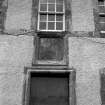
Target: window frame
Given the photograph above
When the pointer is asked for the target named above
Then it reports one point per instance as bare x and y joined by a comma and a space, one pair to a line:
37, 34
100, 14
53, 13
34, 19
36, 61
101, 4
3, 10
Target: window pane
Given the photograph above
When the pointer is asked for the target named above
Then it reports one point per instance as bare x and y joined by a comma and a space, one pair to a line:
59, 26
1, 22
59, 17
102, 18
59, 8
102, 35
51, 1
51, 49
101, 3
0, 5
43, 1
43, 17
51, 7
43, 7
102, 9
1, 19
51, 25
60, 1
102, 26
42, 25
51, 17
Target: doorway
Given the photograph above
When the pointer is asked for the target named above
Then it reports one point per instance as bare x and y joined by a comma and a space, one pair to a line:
49, 89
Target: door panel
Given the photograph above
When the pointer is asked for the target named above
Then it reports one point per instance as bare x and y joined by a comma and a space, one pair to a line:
49, 90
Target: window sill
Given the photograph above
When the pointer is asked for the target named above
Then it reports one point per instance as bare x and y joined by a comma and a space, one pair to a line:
103, 32
101, 13
52, 33
48, 62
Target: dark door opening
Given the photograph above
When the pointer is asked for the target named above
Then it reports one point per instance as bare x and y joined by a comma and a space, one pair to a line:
49, 89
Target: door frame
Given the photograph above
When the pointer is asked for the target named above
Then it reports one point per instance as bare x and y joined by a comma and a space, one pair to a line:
71, 84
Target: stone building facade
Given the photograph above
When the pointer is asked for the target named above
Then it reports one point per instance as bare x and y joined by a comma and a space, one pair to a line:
82, 57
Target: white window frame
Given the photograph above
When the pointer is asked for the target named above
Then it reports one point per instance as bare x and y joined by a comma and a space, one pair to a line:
54, 13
